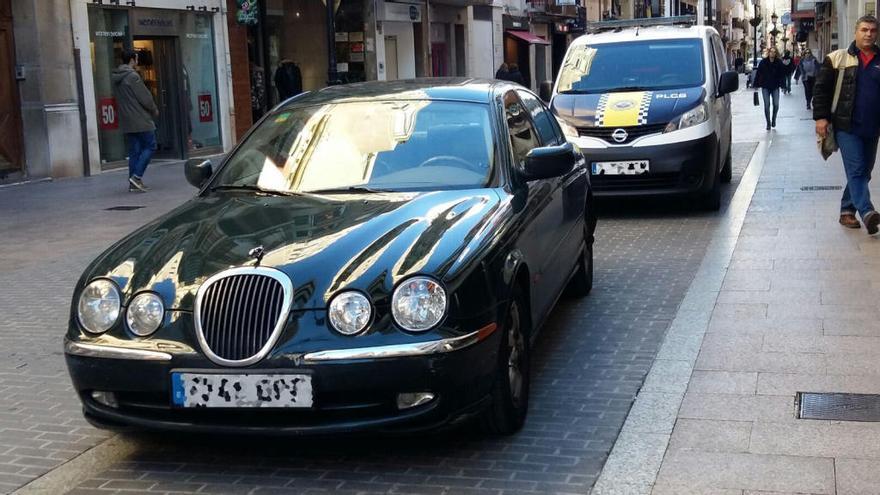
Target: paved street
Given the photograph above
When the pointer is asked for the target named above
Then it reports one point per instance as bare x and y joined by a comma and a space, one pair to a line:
588, 366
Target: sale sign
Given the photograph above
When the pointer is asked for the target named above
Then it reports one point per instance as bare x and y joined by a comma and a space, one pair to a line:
108, 116
206, 108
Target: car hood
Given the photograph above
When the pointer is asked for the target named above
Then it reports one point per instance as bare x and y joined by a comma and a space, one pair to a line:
366, 242
626, 109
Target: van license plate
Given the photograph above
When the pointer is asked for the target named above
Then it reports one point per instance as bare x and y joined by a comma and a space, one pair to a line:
244, 390
633, 167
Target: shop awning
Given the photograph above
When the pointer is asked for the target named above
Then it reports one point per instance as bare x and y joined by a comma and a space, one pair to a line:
528, 37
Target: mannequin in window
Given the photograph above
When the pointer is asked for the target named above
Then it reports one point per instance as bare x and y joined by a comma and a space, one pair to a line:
288, 79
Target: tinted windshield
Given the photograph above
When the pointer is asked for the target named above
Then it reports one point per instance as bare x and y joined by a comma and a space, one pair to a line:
403, 145
634, 66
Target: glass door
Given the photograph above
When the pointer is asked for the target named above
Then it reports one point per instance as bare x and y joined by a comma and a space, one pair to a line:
159, 68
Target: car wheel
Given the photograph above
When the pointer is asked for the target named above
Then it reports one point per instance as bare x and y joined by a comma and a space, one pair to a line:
727, 171
510, 393
582, 282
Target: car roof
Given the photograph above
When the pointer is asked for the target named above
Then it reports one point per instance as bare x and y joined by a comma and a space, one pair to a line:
450, 88
645, 33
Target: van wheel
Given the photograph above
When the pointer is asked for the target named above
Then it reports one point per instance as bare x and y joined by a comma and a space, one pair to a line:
582, 282
712, 199
506, 413
727, 170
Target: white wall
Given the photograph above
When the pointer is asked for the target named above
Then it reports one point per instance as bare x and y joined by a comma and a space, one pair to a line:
406, 54
480, 53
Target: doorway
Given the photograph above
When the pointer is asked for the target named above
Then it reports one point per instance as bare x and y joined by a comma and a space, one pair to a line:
391, 71
11, 145
159, 67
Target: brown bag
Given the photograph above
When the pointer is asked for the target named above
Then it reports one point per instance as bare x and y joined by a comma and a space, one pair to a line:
828, 145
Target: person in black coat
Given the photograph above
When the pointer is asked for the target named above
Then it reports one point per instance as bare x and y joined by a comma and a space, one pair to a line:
514, 75
288, 80
502, 72
770, 78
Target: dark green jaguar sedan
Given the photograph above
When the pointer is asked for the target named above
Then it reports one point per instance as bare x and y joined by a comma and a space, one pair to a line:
378, 256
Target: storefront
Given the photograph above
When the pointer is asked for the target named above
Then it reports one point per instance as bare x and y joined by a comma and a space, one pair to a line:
177, 59
11, 145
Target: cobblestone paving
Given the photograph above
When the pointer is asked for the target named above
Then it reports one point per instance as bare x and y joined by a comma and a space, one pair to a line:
588, 364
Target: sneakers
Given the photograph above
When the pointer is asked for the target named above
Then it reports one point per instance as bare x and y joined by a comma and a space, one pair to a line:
872, 221
849, 220
135, 184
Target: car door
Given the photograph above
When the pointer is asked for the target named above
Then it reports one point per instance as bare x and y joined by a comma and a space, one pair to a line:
572, 186
722, 104
543, 211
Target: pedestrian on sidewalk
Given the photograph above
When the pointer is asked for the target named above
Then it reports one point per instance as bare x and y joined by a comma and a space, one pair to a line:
503, 72
807, 71
770, 78
788, 64
136, 112
854, 73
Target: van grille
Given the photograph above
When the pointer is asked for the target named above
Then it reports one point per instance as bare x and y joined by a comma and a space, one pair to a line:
632, 132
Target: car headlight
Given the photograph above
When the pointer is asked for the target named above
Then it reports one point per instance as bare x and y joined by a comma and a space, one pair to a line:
692, 117
418, 304
145, 313
350, 312
99, 306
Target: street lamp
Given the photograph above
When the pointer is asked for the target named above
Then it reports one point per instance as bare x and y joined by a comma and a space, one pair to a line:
785, 37
773, 32
755, 22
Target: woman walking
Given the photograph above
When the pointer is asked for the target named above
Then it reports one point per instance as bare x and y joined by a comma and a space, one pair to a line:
770, 78
808, 70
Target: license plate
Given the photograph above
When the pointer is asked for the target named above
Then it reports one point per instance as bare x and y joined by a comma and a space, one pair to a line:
243, 390
633, 167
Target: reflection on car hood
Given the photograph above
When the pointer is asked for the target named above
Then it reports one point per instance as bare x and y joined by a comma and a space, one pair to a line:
324, 244
627, 108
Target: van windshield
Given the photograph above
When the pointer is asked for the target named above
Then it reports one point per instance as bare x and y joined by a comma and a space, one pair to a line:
632, 66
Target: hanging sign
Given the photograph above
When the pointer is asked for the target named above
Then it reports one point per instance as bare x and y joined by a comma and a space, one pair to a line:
206, 108
248, 12
108, 116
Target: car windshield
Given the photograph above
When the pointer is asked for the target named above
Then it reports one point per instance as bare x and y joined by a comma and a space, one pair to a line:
632, 66
407, 145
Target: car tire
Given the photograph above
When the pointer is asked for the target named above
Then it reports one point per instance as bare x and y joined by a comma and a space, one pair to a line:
582, 282
727, 170
506, 413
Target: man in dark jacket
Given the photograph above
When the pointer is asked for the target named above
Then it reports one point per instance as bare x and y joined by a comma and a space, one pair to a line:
136, 112
788, 66
854, 118
288, 80
807, 71
770, 77
514, 75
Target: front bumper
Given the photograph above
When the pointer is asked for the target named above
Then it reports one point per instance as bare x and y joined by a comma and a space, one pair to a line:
680, 168
353, 389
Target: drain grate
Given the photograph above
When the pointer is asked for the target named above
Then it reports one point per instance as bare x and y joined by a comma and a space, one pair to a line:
821, 188
839, 407
123, 208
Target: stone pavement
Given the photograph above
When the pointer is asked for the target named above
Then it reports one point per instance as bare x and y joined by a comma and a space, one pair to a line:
784, 303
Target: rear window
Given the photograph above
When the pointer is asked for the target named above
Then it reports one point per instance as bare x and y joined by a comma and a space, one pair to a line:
632, 66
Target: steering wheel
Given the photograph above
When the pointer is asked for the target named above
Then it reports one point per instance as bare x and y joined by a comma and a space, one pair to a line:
440, 159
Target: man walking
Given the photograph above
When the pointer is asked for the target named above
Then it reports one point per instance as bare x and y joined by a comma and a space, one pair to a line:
136, 112
807, 70
854, 117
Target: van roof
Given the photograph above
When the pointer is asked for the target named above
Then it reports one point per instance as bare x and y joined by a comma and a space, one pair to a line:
645, 33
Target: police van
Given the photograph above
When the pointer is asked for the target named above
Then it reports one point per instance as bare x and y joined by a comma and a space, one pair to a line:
650, 102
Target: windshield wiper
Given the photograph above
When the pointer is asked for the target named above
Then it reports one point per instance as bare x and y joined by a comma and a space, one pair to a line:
247, 187
628, 88
576, 92
349, 189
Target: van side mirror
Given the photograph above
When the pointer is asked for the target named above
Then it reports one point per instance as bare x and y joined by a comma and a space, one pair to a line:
549, 161
198, 171
545, 92
728, 83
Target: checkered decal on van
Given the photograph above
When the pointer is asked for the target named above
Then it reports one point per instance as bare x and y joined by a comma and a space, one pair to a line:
644, 106
600, 110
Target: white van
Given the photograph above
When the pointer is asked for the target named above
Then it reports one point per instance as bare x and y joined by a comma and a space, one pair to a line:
650, 100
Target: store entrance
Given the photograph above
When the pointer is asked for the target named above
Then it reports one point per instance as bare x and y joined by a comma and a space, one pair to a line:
158, 64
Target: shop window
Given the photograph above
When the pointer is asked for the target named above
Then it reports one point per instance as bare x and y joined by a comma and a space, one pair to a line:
109, 35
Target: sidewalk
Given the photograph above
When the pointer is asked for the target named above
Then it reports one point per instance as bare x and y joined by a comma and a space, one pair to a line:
784, 303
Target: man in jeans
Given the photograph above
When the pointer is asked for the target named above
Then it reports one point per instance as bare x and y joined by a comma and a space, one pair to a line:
856, 119
136, 112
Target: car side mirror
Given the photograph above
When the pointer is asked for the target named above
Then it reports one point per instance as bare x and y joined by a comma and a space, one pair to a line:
549, 161
545, 92
728, 83
198, 171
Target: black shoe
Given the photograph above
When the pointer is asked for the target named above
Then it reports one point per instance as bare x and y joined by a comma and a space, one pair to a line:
768, 127
809, 107
773, 124
872, 221
136, 184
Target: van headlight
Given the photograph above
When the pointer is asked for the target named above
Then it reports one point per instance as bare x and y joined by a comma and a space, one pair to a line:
418, 304
692, 117
99, 306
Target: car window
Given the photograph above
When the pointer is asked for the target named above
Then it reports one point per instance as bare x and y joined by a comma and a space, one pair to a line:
396, 145
523, 136
632, 65
545, 123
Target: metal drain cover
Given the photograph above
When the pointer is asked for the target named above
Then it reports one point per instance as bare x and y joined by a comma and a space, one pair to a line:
123, 208
839, 407
821, 188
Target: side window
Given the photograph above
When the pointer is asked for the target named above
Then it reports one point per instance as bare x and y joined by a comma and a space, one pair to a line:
523, 136
714, 65
720, 59
545, 122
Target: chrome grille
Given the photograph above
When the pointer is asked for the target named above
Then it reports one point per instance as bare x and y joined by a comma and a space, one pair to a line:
240, 312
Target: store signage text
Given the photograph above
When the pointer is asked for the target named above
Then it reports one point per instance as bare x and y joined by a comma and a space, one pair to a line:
108, 116
153, 22
109, 34
206, 108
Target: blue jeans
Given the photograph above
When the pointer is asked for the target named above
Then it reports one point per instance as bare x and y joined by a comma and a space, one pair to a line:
858, 155
141, 146
768, 93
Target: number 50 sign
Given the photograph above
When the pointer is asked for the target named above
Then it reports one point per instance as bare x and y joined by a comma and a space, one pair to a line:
108, 116
206, 108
